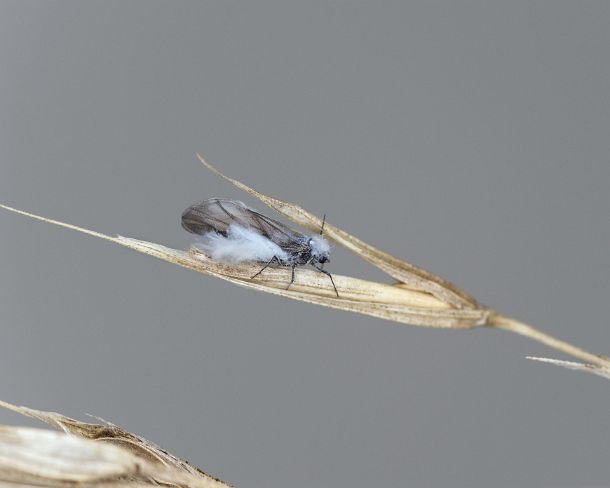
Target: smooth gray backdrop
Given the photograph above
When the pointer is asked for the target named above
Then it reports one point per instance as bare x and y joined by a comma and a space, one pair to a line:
470, 137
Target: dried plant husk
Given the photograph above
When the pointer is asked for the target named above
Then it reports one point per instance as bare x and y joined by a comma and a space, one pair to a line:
91, 454
403, 271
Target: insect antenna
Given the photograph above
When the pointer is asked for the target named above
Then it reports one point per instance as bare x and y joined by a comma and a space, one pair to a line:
323, 222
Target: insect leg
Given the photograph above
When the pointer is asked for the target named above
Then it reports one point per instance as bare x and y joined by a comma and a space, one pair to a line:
292, 279
329, 275
266, 266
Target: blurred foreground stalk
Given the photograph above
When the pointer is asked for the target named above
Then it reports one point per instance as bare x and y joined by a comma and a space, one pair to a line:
89, 455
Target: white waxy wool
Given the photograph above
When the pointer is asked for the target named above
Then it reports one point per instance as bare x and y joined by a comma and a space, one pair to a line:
319, 246
240, 245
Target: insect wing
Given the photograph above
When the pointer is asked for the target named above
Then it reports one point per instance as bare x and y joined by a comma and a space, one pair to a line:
212, 215
217, 214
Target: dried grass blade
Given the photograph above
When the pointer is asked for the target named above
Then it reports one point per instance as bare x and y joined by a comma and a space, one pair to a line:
396, 303
602, 371
398, 269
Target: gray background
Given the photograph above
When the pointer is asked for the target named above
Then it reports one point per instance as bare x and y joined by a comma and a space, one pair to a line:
468, 137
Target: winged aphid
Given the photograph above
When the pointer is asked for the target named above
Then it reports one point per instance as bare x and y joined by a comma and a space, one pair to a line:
233, 232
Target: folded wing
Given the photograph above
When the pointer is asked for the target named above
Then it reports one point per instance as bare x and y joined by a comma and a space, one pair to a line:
217, 214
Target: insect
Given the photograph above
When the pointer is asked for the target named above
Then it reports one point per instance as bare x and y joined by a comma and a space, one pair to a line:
235, 233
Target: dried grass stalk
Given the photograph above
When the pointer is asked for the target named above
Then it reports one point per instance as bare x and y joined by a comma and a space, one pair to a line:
95, 455
419, 298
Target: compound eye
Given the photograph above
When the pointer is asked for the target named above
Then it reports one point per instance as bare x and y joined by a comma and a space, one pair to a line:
323, 260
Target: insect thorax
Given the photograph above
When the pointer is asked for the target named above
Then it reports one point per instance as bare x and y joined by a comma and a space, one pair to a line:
310, 249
